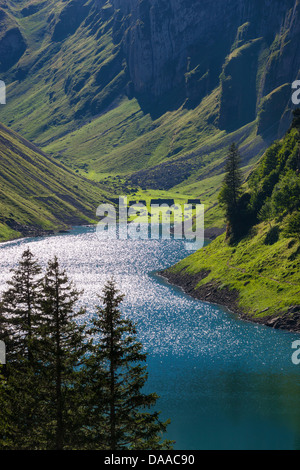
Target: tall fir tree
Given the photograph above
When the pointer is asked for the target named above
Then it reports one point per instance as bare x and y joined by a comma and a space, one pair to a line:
61, 356
19, 307
19, 316
54, 395
231, 191
117, 375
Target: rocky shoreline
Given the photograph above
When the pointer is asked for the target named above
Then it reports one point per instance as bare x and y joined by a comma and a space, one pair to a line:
27, 231
213, 293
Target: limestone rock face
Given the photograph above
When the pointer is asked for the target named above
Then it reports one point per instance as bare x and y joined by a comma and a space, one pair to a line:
166, 53
182, 47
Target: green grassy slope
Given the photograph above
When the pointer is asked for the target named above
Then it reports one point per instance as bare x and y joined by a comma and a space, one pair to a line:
259, 275
265, 277
39, 194
178, 153
56, 79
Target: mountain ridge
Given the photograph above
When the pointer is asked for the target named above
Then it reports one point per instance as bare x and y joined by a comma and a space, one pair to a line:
39, 195
152, 92
81, 56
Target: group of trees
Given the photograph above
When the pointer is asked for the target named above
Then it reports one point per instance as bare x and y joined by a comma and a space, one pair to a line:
272, 190
69, 384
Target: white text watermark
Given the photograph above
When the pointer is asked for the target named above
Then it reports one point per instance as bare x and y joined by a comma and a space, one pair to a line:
2, 92
296, 94
296, 355
159, 221
2, 353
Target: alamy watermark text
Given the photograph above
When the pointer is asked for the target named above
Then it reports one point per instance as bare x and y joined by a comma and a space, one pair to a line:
138, 222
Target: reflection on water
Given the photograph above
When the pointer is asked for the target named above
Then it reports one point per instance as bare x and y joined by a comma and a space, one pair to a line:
224, 383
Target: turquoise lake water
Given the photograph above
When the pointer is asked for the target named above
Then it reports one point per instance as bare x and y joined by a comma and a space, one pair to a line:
224, 383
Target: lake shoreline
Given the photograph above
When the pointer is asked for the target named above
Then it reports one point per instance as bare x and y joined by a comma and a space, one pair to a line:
36, 232
213, 293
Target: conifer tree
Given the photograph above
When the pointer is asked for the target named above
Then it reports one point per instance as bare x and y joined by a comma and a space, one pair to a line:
19, 316
19, 308
120, 416
231, 190
61, 356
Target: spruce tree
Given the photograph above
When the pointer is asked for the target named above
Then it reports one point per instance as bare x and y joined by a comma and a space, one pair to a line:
231, 190
19, 316
61, 357
120, 416
19, 309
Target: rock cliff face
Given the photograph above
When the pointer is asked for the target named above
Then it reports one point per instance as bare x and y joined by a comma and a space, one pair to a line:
181, 48
170, 52
231, 62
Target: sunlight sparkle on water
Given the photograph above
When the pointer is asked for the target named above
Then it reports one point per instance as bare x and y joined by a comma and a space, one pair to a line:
223, 382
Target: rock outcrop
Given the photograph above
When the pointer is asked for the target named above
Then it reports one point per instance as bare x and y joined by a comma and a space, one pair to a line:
70, 19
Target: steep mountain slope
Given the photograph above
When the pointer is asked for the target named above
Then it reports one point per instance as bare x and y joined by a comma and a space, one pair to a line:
152, 90
37, 194
260, 274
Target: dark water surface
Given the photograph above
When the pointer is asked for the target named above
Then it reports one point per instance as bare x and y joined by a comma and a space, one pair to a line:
224, 383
